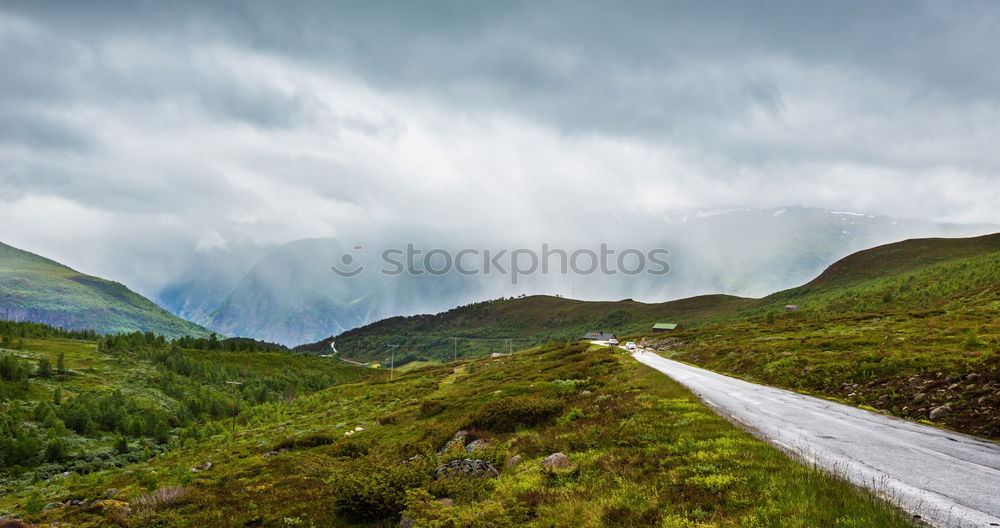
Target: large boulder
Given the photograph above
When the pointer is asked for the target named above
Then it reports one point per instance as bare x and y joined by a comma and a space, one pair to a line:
940, 412
466, 468
556, 461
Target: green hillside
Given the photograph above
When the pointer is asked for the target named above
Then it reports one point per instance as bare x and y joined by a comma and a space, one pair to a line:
72, 401
906, 328
911, 329
34, 288
911, 275
526, 321
640, 451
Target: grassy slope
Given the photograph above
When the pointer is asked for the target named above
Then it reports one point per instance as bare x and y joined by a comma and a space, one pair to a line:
906, 328
898, 327
644, 452
142, 383
538, 319
33, 288
527, 320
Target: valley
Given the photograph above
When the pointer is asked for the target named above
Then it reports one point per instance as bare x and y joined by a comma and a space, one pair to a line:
140, 430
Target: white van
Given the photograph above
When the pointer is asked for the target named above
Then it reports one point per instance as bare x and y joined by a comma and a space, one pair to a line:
630, 346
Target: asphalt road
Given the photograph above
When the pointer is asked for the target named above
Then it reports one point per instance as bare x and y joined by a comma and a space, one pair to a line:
946, 478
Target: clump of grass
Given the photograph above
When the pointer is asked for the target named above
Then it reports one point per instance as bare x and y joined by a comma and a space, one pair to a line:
511, 413
306, 440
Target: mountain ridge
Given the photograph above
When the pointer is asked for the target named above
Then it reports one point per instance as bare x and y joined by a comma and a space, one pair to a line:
38, 289
431, 334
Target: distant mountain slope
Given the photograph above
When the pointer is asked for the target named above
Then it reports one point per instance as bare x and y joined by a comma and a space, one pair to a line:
485, 326
910, 275
34, 288
918, 274
903, 256
290, 296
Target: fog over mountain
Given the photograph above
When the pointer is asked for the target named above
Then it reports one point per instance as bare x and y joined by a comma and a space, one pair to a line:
291, 296
177, 147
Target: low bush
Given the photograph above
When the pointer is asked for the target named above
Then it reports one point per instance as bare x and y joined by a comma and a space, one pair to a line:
306, 440
430, 408
509, 414
370, 490
352, 448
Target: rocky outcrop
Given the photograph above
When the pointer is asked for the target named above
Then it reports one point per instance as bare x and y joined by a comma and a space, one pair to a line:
455, 443
466, 468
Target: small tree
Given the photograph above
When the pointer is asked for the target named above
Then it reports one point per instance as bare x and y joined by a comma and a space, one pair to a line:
44, 368
121, 444
61, 363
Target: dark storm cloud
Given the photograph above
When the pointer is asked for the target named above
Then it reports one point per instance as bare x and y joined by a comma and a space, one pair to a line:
681, 71
207, 122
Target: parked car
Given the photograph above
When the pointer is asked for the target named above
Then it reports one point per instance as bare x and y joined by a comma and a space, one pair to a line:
630, 346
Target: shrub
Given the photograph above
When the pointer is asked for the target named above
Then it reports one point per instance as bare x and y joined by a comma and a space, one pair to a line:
352, 448
391, 418
430, 408
508, 414
426, 511
368, 491
306, 440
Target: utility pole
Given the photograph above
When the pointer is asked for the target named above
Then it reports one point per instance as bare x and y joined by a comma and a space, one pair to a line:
233, 385
392, 364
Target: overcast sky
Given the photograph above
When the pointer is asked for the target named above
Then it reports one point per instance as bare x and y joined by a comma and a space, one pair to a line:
135, 134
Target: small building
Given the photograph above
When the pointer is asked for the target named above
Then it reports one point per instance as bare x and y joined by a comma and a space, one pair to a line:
613, 342
664, 327
498, 355
791, 307
598, 336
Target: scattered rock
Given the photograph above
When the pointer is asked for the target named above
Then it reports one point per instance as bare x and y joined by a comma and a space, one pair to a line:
466, 468
358, 429
475, 445
52, 506
446, 502
110, 492
455, 443
514, 460
412, 460
981, 400
883, 398
972, 377
586, 393
919, 397
940, 412
204, 466
406, 522
953, 386
556, 461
